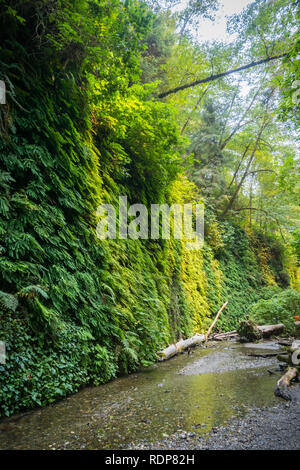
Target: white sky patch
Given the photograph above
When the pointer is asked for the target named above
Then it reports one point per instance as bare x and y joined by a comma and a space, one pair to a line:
216, 30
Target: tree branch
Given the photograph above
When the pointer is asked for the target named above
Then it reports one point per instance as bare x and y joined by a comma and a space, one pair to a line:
239, 166
193, 110
220, 75
259, 171
264, 212
230, 204
250, 208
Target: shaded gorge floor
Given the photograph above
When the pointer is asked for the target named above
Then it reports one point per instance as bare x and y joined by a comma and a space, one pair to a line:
189, 396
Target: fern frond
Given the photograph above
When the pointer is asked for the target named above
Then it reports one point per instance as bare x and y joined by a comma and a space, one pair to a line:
32, 291
8, 301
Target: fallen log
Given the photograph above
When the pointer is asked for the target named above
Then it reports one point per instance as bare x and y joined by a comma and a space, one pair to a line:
224, 335
266, 330
284, 342
182, 345
174, 349
295, 346
249, 331
270, 330
282, 388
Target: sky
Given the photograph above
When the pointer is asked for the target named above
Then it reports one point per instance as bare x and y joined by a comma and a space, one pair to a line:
216, 30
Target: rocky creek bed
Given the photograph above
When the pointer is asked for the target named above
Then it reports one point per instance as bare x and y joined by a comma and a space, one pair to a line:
274, 428
220, 397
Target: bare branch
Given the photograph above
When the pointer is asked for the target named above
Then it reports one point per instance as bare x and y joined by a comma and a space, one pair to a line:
220, 75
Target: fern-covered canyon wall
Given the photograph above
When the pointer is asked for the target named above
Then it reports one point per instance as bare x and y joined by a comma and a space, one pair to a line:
80, 128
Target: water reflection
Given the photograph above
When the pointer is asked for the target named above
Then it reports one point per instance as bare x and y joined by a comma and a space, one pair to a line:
147, 405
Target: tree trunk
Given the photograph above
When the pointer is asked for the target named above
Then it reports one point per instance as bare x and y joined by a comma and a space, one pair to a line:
194, 109
239, 166
233, 198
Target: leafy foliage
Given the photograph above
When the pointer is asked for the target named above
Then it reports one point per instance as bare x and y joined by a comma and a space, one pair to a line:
83, 126
280, 308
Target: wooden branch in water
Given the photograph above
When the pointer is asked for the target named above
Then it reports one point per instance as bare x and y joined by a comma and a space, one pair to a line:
223, 336
183, 344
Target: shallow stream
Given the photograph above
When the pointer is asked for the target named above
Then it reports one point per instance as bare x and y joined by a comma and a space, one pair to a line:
190, 393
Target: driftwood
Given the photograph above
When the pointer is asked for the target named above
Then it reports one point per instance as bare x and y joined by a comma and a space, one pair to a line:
284, 342
249, 331
175, 348
224, 337
295, 346
228, 333
266, 330
215, 320
282, 388
270, 330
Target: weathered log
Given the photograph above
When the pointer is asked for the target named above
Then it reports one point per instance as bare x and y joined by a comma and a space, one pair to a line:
282, 388
215, 320
270, 330
175, 348
225, 335
170, 351
223, 338
284, 342
266, 330
295, 346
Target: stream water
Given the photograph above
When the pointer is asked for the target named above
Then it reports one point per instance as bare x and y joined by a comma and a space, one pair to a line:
189, 393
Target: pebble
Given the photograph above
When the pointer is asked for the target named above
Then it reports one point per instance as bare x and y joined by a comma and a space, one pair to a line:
273, 428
